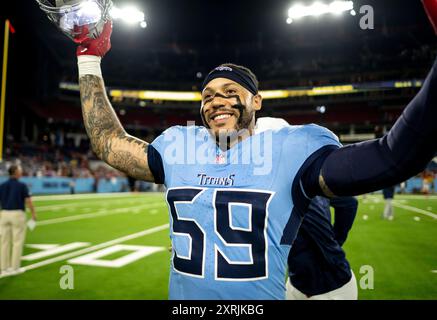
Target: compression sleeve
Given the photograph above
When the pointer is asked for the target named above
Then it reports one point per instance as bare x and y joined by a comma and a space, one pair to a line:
156, 166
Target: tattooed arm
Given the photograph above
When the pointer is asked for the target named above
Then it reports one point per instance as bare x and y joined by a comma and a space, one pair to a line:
108, 138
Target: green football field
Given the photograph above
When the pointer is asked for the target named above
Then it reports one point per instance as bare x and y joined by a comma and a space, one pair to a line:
116, 247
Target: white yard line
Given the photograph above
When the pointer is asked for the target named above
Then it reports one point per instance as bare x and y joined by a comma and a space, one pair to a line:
414, 209
78, 204
81, 196
105, 212
91, 196
57, 249
416, 197
58, 206
403, 196
94, 248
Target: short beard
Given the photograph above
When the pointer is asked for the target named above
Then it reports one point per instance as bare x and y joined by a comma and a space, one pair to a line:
245, 119
227, 138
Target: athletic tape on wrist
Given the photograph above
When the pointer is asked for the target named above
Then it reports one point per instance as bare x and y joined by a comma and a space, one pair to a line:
89, 65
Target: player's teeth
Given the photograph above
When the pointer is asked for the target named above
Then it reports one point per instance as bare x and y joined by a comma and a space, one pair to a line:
222, 116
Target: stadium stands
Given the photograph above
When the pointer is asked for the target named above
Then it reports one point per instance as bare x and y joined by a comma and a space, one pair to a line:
299, 57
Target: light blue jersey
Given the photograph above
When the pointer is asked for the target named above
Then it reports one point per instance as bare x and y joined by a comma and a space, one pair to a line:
231, 213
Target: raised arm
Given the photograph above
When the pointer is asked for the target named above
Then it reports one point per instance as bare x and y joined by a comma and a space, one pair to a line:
402, 153
109, 140
373, 165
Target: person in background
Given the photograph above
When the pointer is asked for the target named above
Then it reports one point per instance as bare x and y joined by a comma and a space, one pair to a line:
403, 187
72, 185
427, 181
14, 196
132, 184
317, 264
388, 194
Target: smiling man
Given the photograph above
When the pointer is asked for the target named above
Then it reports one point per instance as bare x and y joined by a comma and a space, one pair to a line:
230, 82
230, 99
232, 228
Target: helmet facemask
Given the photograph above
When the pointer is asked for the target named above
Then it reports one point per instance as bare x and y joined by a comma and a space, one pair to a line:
78, 19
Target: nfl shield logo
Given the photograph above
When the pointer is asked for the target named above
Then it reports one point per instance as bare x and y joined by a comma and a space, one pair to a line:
220, 159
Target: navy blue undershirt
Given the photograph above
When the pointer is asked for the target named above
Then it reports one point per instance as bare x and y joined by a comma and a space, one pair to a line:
317, 263
13, 194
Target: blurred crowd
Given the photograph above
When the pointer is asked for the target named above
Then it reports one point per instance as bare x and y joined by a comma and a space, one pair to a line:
53, 161
48, 160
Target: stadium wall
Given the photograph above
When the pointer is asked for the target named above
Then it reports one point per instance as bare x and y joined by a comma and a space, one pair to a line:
64, 185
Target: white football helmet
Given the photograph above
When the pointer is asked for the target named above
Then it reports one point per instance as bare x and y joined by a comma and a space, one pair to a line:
78, 19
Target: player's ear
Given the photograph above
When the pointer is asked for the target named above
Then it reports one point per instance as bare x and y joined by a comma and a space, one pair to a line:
257, 102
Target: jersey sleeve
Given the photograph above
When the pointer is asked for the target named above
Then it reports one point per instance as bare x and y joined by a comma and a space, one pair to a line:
164, 152
309, 144
321, 142
305, 144
318, 137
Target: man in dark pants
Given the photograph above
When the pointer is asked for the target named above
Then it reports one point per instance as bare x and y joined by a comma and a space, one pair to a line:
318, 269
14, 195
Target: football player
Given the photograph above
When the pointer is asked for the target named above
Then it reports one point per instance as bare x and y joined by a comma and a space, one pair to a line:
232, 225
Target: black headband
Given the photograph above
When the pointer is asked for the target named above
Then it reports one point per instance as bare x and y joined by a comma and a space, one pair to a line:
239, 76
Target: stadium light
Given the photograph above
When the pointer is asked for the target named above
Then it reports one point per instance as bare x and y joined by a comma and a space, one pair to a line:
129, 15
90, 10
321, 109
318, 8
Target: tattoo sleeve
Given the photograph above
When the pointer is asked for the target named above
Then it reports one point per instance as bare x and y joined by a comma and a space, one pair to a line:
109, 140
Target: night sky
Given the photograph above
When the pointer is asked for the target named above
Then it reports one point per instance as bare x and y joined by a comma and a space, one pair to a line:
38, 51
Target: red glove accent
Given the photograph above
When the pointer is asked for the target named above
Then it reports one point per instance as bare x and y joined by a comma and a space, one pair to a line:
95, 47
81, 34
431, 11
